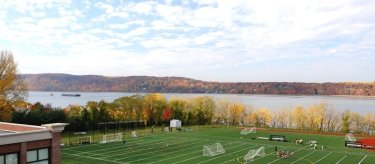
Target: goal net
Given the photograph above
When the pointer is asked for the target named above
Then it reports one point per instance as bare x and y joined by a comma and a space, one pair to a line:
84, 140
350, 137
134, 134
253, 153
112, 137
212, 150
248, 130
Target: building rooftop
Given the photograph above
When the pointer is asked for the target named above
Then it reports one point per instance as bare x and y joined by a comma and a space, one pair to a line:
15, 128
13, 133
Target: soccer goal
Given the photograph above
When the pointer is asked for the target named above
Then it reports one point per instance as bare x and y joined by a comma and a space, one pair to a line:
212, 150
246, 131
134, 134
112, 137
253, 153
350, 137
84, 140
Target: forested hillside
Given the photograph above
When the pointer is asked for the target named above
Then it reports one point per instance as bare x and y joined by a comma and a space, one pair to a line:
148, 84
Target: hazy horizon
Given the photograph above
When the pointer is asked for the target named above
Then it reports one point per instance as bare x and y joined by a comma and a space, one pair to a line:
209, 40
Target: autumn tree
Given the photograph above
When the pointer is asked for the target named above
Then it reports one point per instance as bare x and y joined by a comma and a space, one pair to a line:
178, 107
221, 111
12, 88
281, 118
345, 121
299, 117
369, 123
203, 108
153, 107
235, 110
332, 120
261, 118
356, 122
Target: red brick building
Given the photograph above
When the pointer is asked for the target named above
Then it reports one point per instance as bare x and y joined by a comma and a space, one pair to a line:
27, 144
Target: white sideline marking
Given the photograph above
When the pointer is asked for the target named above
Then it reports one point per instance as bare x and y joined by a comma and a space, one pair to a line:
167, 153
201, 156
303, 157
91, 158
341, 159
109, 151
231, 160
323, 157
178, 155
142, 148
226, 154
362, 159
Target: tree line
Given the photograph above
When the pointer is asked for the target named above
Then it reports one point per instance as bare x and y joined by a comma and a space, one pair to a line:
155, 109
149, 84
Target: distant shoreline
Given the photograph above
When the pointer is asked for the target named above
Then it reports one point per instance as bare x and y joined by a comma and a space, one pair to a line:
76, 92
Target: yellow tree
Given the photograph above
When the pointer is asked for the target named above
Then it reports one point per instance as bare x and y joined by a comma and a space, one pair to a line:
12, 89
178, 106
368, 123
235, 110
204, 107
356, 121
262, 117
281, 118
154, 105
221, 111
299, 117
316, 116
332, 120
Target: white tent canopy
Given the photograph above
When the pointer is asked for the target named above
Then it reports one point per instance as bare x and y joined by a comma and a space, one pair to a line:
175, 123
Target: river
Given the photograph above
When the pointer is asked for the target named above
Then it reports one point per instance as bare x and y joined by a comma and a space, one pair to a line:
272, 102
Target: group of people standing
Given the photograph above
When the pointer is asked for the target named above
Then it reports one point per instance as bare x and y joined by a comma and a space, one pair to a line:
283, 154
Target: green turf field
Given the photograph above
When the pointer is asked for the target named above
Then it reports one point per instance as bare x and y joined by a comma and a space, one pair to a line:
186, 148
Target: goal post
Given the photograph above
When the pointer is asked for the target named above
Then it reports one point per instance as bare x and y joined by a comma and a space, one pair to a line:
253, 153
246, 131
134, 134
84, 140
112, 137
212, 150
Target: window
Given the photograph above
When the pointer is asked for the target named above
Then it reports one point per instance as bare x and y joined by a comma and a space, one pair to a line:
38, 156
9, 158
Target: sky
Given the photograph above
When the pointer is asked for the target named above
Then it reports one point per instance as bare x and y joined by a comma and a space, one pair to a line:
211, 40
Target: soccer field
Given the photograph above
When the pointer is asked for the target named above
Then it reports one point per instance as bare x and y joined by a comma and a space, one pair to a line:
186, 148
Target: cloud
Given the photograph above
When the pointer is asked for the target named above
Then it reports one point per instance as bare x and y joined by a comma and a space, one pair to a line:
203, 39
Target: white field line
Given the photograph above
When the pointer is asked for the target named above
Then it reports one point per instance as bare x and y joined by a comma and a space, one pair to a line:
144, 147
154, 151
254, 159
201, 156
97, 151
245, 141
293, 152
98, 144
362, 159
178, 155
174, 156
303, 157
184, 154
323, 157
100, 159
170, 152
226, 154
341, 159
116, 151
93, 145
